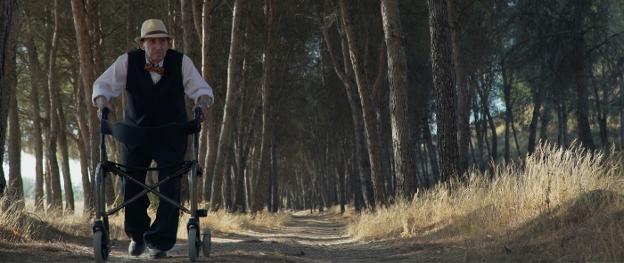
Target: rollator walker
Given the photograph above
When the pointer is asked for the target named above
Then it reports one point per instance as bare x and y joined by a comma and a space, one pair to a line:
135, 135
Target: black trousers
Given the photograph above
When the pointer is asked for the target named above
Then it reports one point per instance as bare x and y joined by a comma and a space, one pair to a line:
161, 234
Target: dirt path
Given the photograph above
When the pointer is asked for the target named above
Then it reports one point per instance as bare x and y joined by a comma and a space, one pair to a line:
304, 238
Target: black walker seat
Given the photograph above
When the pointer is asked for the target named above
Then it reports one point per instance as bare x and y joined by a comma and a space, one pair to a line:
133, 135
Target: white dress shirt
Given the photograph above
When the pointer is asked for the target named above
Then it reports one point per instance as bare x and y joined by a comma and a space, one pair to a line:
113, 81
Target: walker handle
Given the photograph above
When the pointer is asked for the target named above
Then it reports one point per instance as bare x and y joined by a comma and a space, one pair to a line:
198, 114
105, 112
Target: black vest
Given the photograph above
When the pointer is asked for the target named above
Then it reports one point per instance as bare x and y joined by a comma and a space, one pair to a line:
150, 104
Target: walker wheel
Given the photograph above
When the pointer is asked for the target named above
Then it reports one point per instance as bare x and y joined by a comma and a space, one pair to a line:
206, 242
193, 243
100, 246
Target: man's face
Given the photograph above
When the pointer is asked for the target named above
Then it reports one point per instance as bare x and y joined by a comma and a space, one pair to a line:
155, 48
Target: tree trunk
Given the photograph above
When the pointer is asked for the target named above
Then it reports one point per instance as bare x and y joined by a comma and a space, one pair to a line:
93, 22
274, 200
62, 140
190, 36
508, 110
14, 196
433, 157
83, 147
235, 63
6, 21
579, 63
562, 121
53, 169
368, 111
230, 171
86, 71
444, 86
485, 104
463, 99
190, 43
397, 76
545, 120
601, 114
15, 192
35, 84
238, 163
210, 128
261, 194
196, 19
537, 92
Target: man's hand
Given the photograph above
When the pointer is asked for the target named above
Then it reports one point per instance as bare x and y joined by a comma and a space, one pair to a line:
101, 102
203, 102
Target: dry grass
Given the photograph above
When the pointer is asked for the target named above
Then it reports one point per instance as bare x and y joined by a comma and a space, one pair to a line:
22, 226
563, 205
225, 222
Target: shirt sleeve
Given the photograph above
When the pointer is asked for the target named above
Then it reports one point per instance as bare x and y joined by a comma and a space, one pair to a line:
113, 81
194, 85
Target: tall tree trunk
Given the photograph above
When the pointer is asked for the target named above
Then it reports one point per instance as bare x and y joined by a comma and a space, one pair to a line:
431, 149
239, 184
404, 159
14, 196
274, 200
537, 93
508, 109
545, 120
261, 194
463, 99
35, 84
601, 116
83, 149
479, 132
209, 130
444, 86
367, 108
579, 63
190, 36
6, 21
86, 71
562, 121
190, 43
196, 19
113, 192
235, 63
62, 140
53, 169
93, 22
485, 104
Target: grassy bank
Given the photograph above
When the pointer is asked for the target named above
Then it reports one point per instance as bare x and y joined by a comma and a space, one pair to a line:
562, 205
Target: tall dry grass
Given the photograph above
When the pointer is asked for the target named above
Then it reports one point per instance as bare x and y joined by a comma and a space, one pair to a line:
559, 194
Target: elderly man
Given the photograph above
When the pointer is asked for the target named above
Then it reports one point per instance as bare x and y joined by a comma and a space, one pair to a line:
155, 79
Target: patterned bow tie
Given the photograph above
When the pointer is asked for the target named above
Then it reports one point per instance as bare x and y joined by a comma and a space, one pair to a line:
154, 68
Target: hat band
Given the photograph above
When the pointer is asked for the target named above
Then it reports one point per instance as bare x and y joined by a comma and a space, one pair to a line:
155, 32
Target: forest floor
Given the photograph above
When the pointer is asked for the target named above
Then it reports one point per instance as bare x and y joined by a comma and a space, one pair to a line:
305, 237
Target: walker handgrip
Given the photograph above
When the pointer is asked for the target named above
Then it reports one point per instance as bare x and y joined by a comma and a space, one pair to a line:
198, 113
105, 111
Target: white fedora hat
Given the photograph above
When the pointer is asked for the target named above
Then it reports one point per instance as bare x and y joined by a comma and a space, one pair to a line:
153, 28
